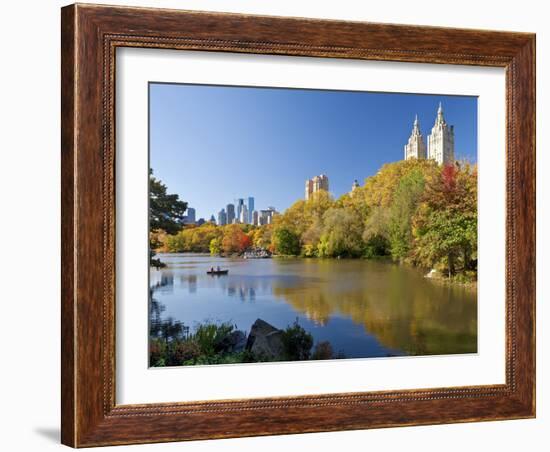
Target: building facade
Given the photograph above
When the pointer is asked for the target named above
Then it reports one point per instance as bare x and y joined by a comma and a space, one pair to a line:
266, 216
230, 212
222, 218
190, 218
243, 215
240, 205
416, 147
250, 207
441, 142
315, 184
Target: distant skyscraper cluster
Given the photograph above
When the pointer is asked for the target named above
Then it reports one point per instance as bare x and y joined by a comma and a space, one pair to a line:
244, 212
441, 142
315, 184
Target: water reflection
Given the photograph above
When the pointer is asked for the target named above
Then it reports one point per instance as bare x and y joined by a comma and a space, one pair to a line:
363, 308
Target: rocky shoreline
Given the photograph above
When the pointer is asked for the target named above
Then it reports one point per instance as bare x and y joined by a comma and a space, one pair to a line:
224, 344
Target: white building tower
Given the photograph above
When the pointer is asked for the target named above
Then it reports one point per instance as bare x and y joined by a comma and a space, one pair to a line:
415, 148
441, 142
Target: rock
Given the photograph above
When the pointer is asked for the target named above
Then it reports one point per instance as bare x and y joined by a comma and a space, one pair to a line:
265, 340
233, 342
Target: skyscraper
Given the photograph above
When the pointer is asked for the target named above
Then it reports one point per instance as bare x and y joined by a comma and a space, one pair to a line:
441, 142
230, 213
415, 148
222, 218
266, 216
243, 216
315, 184
250, 207
190, 217
240, 205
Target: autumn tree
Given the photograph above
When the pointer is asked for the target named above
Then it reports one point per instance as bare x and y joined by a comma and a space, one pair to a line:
215, 246
235, 240
445, 226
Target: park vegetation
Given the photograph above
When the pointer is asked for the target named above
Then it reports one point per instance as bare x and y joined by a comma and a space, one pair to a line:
412, 211
172, 344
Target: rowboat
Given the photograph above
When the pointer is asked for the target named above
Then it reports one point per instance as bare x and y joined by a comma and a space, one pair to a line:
217, 272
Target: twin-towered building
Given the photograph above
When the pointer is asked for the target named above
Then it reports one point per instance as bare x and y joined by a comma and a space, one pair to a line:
441, 142
440, 147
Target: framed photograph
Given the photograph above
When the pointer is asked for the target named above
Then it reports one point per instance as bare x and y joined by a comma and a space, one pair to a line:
281, 225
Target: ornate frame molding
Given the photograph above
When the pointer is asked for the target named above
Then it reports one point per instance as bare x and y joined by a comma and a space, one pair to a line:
90, 37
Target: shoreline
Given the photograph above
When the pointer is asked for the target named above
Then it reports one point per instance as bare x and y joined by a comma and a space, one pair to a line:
442, 280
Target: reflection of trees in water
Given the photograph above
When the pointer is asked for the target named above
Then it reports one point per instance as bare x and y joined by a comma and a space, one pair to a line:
401, 308
169, 328
420, 318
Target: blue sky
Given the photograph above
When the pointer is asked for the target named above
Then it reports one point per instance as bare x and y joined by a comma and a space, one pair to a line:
213, 144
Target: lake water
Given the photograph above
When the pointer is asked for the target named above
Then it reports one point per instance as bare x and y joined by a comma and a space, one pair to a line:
363, 308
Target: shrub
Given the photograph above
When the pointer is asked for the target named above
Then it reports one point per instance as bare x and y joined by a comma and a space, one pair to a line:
297, 342
183, 351
323, 350
209, 336
157, 350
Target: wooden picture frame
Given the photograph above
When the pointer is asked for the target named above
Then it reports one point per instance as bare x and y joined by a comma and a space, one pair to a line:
90, 36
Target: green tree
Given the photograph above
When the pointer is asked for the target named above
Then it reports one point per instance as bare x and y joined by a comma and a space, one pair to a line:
405, 202
377, 224
165, 214
286, 242
446, 239
343, 230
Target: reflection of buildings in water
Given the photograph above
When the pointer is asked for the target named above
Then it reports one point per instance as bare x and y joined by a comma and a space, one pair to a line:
163, 282
244, 292
246, 289
315, 319
192, 283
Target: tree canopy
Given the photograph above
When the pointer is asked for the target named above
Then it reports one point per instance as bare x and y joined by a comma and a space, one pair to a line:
413, 211
165, 214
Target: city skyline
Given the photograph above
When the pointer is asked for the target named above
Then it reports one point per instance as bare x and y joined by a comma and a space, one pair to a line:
267, 141
241, 210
